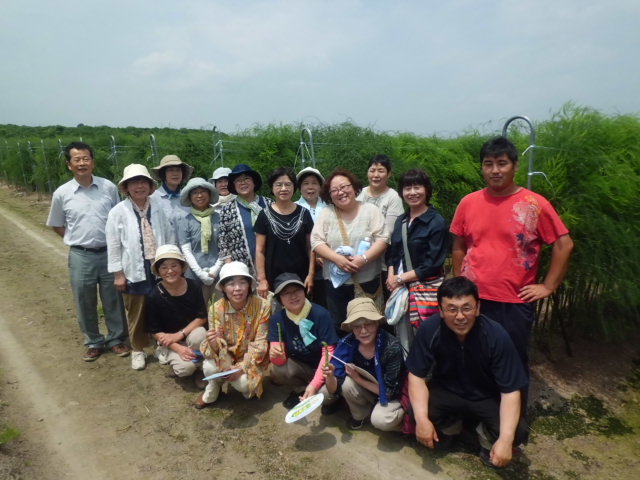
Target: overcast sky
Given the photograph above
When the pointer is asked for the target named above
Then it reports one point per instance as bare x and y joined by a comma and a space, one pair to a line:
427, 67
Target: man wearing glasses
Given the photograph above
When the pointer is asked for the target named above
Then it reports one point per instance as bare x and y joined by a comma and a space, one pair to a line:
464, 366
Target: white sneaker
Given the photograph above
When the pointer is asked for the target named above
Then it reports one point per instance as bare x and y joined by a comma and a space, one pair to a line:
161, 354
138, 360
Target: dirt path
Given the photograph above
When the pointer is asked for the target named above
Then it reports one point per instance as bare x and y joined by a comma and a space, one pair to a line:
103, 420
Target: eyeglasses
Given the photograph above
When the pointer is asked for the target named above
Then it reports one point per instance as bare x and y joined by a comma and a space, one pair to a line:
365, 326
465, 310
282, 185
242, 179
199, 192
341, 188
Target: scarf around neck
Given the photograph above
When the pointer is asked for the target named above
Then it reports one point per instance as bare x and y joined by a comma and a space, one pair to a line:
254, 207
148, 238
206, 228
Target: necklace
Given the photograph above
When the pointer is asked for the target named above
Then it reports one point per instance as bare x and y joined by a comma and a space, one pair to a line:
284, 230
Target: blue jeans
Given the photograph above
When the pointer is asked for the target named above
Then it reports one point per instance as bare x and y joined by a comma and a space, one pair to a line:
88, 274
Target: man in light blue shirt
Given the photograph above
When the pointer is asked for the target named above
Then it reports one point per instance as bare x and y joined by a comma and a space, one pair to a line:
78, 213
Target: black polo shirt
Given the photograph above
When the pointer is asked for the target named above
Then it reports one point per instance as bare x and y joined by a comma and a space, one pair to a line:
484, 366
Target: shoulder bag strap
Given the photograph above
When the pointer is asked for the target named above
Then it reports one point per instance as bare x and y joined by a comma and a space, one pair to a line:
407, 257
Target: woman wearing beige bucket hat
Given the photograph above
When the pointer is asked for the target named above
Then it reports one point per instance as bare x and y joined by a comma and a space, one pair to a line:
135, 227
237, 337
175, 313
172, 173
374, 393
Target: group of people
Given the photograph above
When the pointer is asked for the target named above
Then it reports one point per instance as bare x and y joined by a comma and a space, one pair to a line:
239, 287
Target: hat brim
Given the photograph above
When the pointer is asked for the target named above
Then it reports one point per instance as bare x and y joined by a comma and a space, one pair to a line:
185, 194
257, 180
174, 256
187, 170
252, 281
347, 325
288, 282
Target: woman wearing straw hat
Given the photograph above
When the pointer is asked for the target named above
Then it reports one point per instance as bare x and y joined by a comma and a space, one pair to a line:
237, 337
374, 393
135, 227
172, 173
237, 237
175, 313
198, 234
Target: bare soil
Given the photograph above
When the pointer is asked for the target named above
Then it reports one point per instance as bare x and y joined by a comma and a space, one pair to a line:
104, 420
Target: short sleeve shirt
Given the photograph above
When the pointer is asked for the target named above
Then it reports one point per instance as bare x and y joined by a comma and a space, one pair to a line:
83, 211
504, 236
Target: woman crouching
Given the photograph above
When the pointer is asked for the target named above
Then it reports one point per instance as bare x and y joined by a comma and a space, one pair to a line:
367, 370
175, 313
237, 337
301, 336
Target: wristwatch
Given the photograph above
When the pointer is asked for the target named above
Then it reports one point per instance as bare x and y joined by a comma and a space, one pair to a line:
399, 280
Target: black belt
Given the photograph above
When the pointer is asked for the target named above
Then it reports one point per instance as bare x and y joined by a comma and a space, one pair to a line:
92, 250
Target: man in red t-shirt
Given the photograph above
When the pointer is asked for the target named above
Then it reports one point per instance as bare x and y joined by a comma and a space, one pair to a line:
499, 232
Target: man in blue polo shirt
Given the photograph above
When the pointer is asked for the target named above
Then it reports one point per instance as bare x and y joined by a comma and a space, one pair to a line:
78, 213
464, 366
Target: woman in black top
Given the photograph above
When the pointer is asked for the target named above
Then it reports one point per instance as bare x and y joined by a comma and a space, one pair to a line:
175, 313
283, 232
427, 244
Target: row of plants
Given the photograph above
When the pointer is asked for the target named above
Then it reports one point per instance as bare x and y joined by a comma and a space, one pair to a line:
591, 162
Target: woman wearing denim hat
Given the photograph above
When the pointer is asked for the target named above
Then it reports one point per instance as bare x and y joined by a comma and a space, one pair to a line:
301, 336
237, 237
175, 313
135, 227
374, 393
237, 336
198, 234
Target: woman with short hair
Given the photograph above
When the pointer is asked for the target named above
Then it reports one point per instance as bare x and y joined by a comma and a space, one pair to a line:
340, 229
283, 231
426, 235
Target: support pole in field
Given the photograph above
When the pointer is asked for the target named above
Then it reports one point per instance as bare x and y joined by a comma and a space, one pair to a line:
307, 147
530, 149
154, 148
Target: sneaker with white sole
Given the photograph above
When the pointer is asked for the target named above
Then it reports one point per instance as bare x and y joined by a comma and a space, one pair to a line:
161, 354
138, 360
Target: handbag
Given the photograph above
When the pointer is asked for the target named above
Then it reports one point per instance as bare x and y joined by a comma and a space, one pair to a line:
423, 296
377, 296
396, 307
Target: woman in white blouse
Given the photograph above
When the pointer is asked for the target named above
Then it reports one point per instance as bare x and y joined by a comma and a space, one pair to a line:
135, 228
340, 229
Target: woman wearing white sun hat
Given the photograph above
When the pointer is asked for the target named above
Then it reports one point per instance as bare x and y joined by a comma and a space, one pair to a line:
135, 227
237, 336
